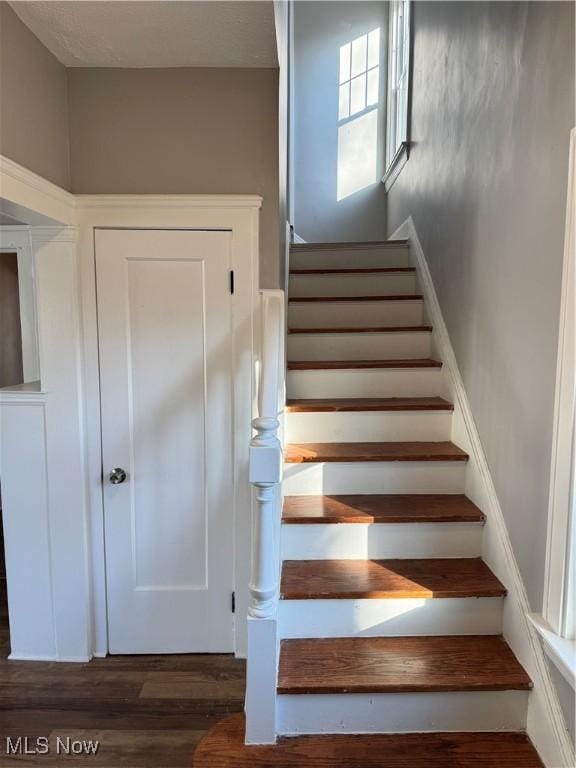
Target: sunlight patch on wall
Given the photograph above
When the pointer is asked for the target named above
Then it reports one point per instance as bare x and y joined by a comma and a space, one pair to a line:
357, 154
359, 90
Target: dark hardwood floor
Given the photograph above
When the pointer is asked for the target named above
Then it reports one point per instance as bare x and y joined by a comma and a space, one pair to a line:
144, 710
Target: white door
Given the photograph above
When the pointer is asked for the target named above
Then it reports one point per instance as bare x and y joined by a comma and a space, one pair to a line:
164, 325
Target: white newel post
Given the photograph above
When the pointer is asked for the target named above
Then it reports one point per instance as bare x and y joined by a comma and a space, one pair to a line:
266, 477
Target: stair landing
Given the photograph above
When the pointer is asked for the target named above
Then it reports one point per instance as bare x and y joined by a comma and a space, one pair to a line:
224, 747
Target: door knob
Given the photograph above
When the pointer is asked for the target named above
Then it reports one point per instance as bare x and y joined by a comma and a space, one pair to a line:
117, 476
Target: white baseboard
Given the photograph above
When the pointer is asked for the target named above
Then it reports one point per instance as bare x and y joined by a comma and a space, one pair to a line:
66, 659
545, 722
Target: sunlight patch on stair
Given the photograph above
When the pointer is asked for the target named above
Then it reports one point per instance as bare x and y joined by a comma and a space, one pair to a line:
366, 618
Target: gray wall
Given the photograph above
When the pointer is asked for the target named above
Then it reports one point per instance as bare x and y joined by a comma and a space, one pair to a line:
157, 131
493, 105
179, 131
320, 28
33, 102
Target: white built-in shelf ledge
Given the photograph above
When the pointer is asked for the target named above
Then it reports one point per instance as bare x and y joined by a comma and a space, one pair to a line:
28, 388
561, 652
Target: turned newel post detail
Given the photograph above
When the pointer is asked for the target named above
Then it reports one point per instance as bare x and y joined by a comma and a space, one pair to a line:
266, 461
265, 475
265, 472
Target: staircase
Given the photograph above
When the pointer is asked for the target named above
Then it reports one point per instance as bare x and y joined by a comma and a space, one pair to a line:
389, 619
388, 629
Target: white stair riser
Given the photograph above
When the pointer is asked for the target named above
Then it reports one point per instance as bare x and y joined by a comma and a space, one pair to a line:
367, 426
358, 346
358, 541
369, 382
402, 712
350, 258
354, 314
374, 477
369, 284
390, 618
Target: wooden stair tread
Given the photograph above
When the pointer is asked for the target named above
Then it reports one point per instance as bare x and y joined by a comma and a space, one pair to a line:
367, 329
298, 453
352, 271
399, 665
361, 245
318, 365
346, 404
390, 297
389, 508
388, 579
223, 747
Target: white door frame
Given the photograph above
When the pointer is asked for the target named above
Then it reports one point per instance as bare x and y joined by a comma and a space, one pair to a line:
239, 214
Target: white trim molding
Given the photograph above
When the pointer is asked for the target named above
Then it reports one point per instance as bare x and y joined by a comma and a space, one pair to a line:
167, 201
545, 722
28, 197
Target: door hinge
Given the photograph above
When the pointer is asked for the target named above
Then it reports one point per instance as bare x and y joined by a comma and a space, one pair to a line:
231, 281
233, 602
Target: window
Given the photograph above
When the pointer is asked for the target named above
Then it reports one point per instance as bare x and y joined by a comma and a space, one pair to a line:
398, 87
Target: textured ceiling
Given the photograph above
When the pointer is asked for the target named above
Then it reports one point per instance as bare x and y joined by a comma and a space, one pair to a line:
154, 33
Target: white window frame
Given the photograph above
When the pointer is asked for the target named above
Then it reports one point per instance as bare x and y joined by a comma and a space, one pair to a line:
398, 91
557, 625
